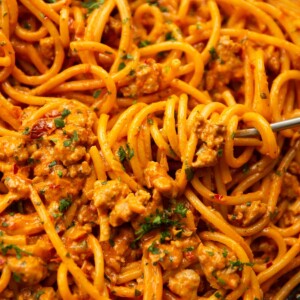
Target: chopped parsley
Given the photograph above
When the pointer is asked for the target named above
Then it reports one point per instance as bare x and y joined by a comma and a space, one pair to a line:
137, 293
181, 210
189, 249
60, 173
90, 5
52, 164
213, 53
278, 173
164, 235
64, 204
16, 277
225, 252
125, 153
189, 173
111, 242
263, 96
150, 121
245, 169
127, 56
248, 203
65, 113
121, 66
41, 292
59, 122
153, 249
240, 265
19, 251
26, 131
162, 220
210, 253
144, 43
169, 36
220, 152
67, 143
97, 93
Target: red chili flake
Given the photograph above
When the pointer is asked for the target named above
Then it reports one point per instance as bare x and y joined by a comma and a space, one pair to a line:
219, 197
16, 169
269, 264
189, 255
54, 186
40, 128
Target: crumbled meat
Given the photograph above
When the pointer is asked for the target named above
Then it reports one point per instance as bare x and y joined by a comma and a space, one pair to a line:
215, 264
30, 270
147, 79
117, 197
211, 137
117, 250
168, 256
185, 284
47, 47
291, 188
126, 207
226, 64
247, 213
157, 177
41, 293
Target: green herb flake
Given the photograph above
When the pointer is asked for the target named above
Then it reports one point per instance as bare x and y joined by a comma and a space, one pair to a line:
218, 295
67, 143
263, 96
90, 5
111, 242
64, 204
65, 113
213, 53
233, 135
52, 164
245, 168
127, 56
26, 25
225, 252
132, 72
169, 36
164, 235
181, 210
150, 121
41, 292
121, 66
16, 277
278, 173
121, 153
189, 249
137, 293
26, 131
153, 249
59, 122
210, 253
97, 93
60, 173
221, 281
4, 224
220, 152
248, 203
189, 173
144, 43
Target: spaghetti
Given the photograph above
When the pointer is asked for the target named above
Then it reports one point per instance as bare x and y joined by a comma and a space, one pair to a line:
121, 175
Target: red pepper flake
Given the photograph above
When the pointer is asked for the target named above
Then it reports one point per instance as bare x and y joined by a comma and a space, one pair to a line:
41, 128
54, 186
219, 197
16, 169
269, 264
189, 255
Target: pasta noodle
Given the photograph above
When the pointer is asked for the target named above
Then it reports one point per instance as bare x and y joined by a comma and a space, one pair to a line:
121, 172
